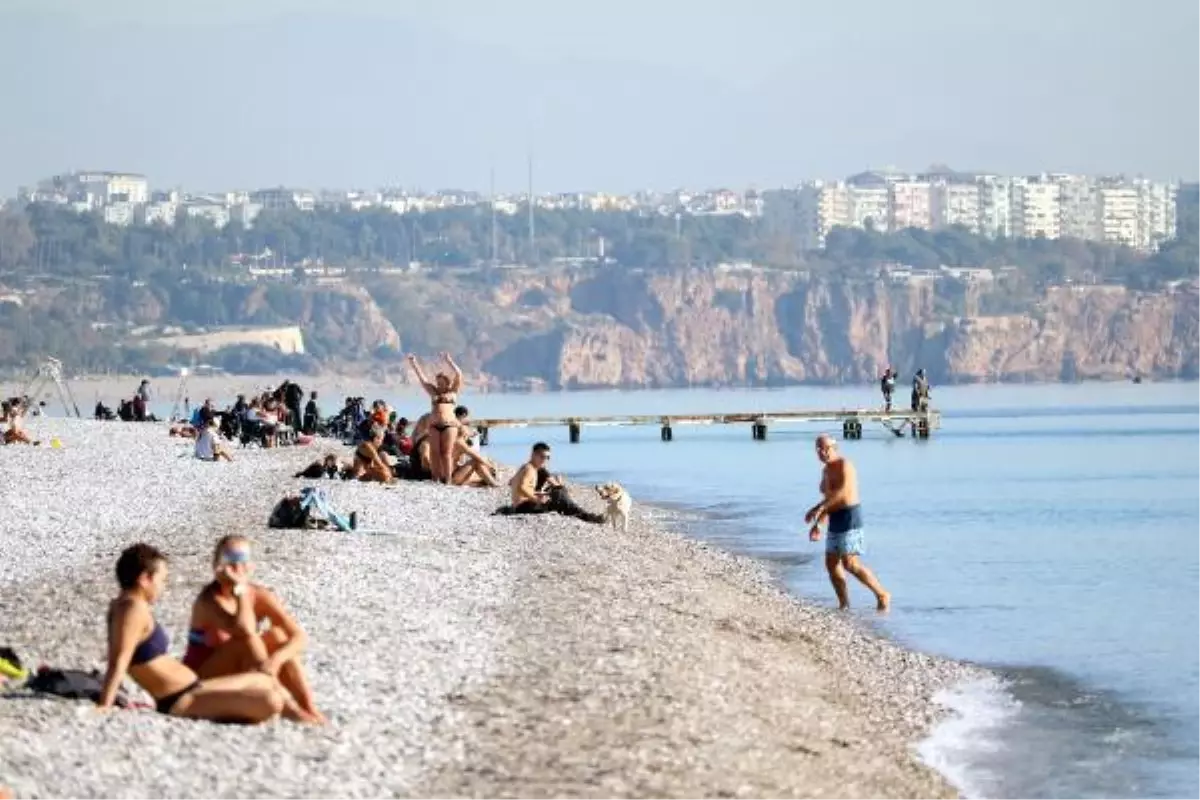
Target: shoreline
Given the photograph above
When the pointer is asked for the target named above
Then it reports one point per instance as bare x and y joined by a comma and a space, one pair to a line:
536, 656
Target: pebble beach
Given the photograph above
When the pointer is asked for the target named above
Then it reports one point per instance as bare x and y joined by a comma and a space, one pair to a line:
454, 653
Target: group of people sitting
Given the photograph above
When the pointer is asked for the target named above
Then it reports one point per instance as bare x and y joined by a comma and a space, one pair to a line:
242, 660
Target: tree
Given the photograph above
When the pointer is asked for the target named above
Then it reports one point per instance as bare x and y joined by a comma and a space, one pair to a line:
16, 238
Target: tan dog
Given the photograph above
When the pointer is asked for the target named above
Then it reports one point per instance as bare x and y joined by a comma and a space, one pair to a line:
618, 503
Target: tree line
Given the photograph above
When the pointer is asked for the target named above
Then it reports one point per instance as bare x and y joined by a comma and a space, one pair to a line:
48, 239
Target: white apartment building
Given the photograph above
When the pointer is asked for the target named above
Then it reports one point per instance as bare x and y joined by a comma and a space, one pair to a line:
1079, 207
99, 189
1119, 214
955, 204
120, 213
995, 206
160, 212
869, 207
214, 212
281, 198
1036, 208
910, 204
1159, 215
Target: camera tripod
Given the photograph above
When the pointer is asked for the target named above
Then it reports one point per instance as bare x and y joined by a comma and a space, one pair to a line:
50, 371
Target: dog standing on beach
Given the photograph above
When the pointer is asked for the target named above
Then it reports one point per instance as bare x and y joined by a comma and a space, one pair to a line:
618, 503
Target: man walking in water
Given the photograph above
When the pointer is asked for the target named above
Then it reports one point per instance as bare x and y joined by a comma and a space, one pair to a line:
840, 506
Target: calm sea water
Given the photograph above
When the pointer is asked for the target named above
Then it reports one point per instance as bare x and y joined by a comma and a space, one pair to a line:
1049, 532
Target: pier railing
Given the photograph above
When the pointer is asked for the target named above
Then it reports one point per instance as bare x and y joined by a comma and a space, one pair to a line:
919, 424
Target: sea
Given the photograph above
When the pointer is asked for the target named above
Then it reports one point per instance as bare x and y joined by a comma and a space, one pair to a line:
1050, 533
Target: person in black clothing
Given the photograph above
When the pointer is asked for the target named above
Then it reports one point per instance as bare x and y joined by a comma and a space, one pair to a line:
887, 385
536, 491
312, 414
292, 395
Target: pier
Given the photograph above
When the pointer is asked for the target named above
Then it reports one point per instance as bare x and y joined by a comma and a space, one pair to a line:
918, 424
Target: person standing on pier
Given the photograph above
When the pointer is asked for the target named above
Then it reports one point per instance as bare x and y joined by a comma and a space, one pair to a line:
887, 385
920, 391
844, 543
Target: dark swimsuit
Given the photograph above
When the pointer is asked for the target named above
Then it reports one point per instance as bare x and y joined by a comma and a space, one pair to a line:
150, 648
443, 400
846, 519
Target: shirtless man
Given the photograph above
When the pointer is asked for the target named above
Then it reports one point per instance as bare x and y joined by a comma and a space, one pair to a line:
840, 506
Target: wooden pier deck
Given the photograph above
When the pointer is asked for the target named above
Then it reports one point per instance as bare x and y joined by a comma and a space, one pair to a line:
920, 424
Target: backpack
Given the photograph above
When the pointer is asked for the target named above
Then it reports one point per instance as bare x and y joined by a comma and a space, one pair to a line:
290, 512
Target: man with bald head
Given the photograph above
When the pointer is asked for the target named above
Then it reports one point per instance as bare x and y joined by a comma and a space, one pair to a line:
841, 509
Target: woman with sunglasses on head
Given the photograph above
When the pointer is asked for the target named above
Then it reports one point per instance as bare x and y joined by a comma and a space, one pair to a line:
225, 636
137, 646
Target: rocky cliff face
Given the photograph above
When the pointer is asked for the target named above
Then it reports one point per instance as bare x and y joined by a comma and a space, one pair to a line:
622, 328
763, 327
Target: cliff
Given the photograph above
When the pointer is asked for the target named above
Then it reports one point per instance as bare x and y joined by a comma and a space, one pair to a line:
643, 329
640, 328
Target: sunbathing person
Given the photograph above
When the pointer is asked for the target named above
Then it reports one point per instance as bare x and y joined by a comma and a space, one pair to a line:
369, 464
224, 638
137, 646
421, 452
473, 468
328, 467
443, 392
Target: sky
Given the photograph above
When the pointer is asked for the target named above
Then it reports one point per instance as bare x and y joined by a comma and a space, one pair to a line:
613, 96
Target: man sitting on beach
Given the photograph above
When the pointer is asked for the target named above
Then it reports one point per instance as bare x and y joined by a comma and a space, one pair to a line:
535, 491
840, 506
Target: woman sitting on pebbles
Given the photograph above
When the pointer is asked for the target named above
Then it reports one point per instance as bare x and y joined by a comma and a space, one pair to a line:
224, 638
443, 392
137, 645
369, 464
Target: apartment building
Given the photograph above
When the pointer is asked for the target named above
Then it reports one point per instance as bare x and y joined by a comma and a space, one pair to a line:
281, 198
1120, 207
1036, 208
910, 204
995, 206
812, 209
956, 204
1158, 213
98, 189
1079, 207
869, 207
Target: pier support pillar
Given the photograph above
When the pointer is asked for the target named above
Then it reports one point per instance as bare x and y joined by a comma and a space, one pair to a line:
573, 432
483, 437
758, 432
667, 434
851, 429
922, 428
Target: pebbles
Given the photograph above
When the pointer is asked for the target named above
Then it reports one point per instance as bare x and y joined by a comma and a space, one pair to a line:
455, 653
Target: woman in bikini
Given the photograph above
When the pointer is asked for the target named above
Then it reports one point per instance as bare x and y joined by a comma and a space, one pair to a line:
443, 391
224, 638
369, 464
137, 646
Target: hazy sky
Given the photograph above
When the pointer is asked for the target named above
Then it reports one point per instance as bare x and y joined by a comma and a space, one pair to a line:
615, 95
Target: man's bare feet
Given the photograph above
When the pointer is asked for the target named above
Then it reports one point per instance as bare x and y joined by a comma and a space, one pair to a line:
884, 602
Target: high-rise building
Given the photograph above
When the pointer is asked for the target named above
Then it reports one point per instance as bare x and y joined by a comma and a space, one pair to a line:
995, 206
1079, 207
956, 204
910, 204
1036, 208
